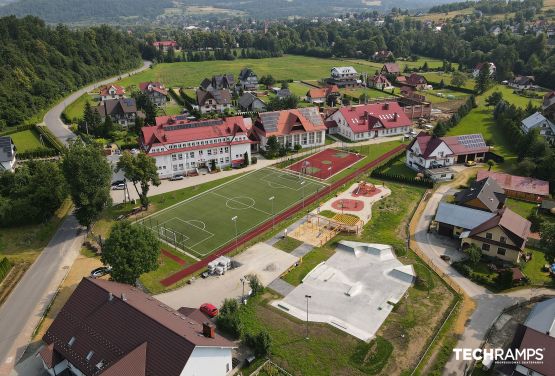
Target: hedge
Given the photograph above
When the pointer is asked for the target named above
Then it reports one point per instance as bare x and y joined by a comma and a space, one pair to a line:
451, 87
177, 98
50, 139
128, 146
422, 182
5, 267
19, 128
38, 153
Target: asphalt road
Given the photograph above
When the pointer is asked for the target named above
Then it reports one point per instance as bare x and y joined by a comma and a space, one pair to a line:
22, 311
53, 120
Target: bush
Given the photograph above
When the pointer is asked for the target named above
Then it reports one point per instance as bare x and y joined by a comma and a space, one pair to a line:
254, 160
38, 153
5, 267
260, 343
228, 320
255, 285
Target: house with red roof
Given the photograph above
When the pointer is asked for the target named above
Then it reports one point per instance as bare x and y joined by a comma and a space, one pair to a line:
181, 146
321, 94
519, 187
428, 152
165, 45
155, 91
112, 329
301, 126
380, 82
391, 68
368, 121
417, 81
111, 92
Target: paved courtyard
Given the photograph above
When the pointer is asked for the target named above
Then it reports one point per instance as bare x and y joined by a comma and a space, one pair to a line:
261, 259
354, 290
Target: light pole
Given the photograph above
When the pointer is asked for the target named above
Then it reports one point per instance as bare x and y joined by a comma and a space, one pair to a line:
273, 216
302, 185
329, 177
243, 280
234, 219
307, 297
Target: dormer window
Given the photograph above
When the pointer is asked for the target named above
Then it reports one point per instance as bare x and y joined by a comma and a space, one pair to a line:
71, 341
89, 356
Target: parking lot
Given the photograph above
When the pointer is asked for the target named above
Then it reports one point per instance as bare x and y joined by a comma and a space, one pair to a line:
261, 259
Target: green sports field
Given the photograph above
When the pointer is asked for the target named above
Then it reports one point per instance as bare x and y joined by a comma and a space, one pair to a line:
203, 223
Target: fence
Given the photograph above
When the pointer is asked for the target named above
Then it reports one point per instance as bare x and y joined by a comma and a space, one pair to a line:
280, 217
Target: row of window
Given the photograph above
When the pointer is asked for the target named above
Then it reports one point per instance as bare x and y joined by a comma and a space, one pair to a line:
181, 166
500, 251
191, 154
199, 143
489, 236
303, 139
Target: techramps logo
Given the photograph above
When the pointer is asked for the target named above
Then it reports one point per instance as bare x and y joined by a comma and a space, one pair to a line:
522, 356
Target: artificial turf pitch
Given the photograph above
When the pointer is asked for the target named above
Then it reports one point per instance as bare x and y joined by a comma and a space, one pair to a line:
202, 224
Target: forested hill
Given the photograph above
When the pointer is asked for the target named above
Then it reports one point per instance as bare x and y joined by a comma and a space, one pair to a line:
40, 64
90, 11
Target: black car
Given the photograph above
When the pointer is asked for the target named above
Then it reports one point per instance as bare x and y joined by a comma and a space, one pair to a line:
117, 182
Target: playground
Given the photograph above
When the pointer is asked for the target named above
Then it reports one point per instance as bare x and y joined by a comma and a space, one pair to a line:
326, 163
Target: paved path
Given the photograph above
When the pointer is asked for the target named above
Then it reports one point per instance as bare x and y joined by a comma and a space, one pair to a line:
488, 305
281, 287
22, 311
53, 120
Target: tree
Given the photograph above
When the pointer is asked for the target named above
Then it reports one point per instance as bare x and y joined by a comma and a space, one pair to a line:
260, 342
442, 84
494, 98
130, 250
483, 80
284, 84
490, 163
474, 254
146, 105
140, 169
272, 147
246, 159
458, 79
228, 320
526, 167
88, 174
91, 119
547, 235
504, 279
255, 284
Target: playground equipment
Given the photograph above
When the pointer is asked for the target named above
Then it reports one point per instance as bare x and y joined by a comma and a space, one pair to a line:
365, 189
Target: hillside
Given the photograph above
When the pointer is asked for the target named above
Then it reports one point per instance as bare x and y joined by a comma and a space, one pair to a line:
40, 64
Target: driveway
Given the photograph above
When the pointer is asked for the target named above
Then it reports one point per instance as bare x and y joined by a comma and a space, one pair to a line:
488, 305
53, 120
267, 262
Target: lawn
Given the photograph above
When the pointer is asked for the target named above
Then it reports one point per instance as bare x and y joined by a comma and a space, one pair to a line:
202, 224
26, 140
436, 77
524, 209
400, 168
533, 269
432, 63
370, 92
74, 111
308, 262
288, 244
443, 95
299, 89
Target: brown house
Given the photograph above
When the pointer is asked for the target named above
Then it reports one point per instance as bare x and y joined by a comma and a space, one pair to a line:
519, 187
483, 194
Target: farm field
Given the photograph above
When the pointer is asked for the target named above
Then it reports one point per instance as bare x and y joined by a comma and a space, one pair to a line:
203, 223
26, 140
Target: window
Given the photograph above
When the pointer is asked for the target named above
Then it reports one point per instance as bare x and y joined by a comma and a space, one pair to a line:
485, 247
192, 154
175, 167
501, 251
502, 239
180, 157
174, 157
489, 235
89, 355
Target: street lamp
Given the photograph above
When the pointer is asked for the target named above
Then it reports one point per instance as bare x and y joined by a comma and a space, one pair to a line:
273, 216
302, 185
307, 297
243, 280
234, 219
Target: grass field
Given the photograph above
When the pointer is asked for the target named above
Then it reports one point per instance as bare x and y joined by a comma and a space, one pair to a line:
75, 110
372, 93
203, 223
436, 77
443, 95
432, 63
26, 140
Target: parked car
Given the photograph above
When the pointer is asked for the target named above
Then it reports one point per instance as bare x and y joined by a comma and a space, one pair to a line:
470, 163
205, 275
117, 182
445, 258
177, 177
209, 309
102, 271
118, 187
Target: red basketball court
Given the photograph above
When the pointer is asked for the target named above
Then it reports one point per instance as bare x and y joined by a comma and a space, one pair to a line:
326, 163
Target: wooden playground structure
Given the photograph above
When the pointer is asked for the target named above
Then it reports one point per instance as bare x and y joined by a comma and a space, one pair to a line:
318, 230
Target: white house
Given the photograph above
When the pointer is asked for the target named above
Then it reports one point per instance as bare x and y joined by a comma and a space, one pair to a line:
111, 92
344, 77
108, 328
367, 121
478, 68
428, 152
301, 126
214, 100
7, 154
181, 146
538, 121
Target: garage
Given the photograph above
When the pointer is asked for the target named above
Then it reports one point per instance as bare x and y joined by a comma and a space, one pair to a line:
445, 229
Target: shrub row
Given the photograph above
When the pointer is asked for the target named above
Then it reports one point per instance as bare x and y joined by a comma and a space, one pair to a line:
5, 267
19, 128
38, 153
176, 98
423, 182
50, 139
444, 125
437, 85
128, 145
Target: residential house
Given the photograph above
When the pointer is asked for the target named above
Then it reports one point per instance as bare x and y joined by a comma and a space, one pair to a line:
215, 100
107, 328
248, 79
121, 111
166, 45
383, 56
426, 151
495, 30
417, 81
363, 122
537, 332
503, 236
321, 95
7, 153
548, 105
483, 194
406, 90
453, 220
380, 82
283, 93
111, 92
538, 121
478, 68
219, 82
180, 146
522, 82
519, 187
344, 77
301, 126
250, 102
155, 91
391, 68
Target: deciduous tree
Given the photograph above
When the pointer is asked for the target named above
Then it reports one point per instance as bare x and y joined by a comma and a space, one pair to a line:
140, 169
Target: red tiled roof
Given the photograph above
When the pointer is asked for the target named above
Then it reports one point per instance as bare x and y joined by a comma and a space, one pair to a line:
49, 356
380, 79
426, 143
516, 227
517, 183
122, 327
284, 122
104, 90
165, 43
322, 92
154, 86
175, 129
365, 117
416, 79
392, 67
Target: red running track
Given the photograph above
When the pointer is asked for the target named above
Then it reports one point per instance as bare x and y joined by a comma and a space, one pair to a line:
170, 255
326, 159
174, 278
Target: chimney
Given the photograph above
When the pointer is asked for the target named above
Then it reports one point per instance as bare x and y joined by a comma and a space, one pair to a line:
110, 297
365, 115
123, 297
208, 330
395, 116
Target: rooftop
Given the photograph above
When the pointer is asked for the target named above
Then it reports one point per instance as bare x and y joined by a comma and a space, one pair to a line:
461, 216
364, 118
517, 183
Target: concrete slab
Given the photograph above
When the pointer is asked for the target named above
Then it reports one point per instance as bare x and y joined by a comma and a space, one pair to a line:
354, 290
302, 250
261, 259
281, 287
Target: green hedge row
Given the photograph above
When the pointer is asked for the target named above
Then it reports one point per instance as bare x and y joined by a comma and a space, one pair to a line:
38, 153
129, 146
19, 128
423, 182
50, 139
436, 85
5, 267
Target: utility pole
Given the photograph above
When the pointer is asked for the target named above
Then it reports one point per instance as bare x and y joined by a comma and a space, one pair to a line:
234, 219
307, 298
273, 216
302, 185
